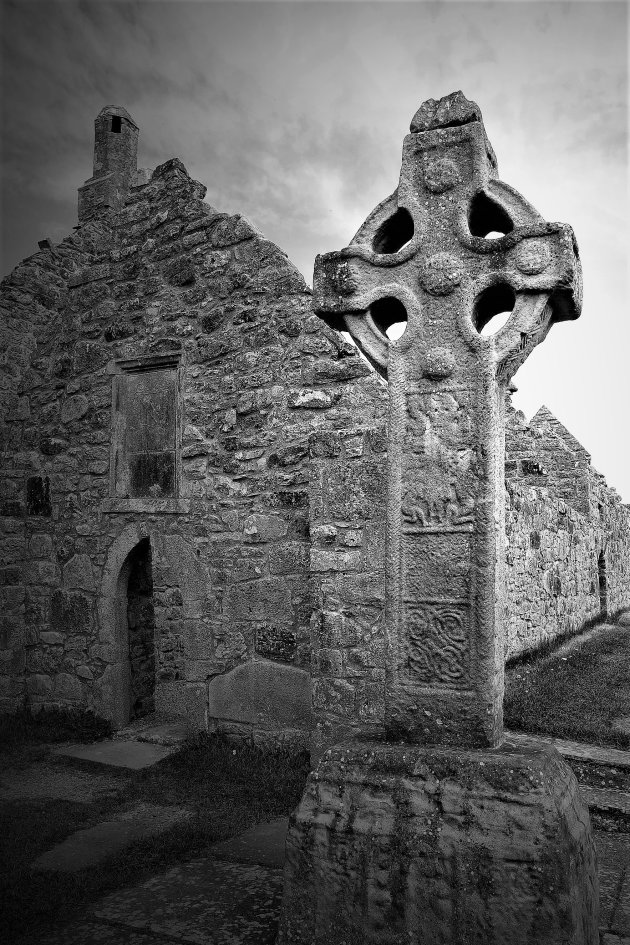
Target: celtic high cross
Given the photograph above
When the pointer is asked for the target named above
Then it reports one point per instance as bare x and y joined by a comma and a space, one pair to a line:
449, 250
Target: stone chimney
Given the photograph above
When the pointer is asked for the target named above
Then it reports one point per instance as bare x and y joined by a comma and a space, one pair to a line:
115, 162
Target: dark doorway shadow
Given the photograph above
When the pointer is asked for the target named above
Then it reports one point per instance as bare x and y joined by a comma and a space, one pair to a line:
141, 623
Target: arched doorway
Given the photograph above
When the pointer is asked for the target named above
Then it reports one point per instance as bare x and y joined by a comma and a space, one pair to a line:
142, 563
141, 629
603, 583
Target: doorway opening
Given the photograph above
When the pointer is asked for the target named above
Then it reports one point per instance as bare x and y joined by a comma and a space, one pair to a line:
141, 624
603, 583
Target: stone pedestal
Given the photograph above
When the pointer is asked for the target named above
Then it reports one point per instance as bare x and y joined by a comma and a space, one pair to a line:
412, 845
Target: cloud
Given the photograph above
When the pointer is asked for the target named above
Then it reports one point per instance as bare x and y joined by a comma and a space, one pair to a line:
294, 114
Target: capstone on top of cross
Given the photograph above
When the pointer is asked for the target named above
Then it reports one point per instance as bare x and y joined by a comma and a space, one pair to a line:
449, 112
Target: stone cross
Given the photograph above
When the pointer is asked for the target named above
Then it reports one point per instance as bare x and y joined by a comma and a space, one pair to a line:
449, 250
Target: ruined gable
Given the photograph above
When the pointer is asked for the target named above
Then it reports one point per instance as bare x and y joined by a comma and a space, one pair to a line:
170, 397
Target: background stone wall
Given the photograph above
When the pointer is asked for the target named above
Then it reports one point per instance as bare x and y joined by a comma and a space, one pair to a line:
552, 566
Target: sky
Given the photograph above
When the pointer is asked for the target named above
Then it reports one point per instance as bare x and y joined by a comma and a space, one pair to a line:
293, 114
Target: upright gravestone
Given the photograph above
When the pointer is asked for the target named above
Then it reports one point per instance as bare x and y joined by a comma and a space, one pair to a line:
445, 833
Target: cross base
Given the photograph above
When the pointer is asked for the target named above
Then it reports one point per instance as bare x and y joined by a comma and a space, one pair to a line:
409, 845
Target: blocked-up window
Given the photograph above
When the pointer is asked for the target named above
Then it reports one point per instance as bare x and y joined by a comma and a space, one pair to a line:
144, 430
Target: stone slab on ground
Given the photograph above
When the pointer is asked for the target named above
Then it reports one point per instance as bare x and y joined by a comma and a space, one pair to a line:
202, 902
578, 751
130, 754
605, 799
61, 782
262, 845
622, 725
91, 846
613, 852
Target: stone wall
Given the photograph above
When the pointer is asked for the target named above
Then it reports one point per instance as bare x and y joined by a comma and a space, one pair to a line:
347, 561
562, 522
543, 454
553, 552
168, 289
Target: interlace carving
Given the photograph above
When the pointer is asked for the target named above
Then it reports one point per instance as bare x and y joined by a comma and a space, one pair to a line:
437, 635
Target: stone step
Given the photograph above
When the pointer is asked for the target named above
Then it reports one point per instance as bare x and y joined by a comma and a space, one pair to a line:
93, 845
131, 754
203, 902
262, 845
605, 799
577, 751
613, 855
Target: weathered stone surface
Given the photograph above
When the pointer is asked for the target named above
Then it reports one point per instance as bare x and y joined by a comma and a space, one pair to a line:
86, 848
265, 694
402, 843
117, 754
77, 573
263, 845
198, 901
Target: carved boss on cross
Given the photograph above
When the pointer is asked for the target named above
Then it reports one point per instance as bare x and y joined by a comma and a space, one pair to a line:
423, 254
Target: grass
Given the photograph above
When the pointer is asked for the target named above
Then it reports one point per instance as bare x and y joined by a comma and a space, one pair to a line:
576, 692
229, 786
51, 725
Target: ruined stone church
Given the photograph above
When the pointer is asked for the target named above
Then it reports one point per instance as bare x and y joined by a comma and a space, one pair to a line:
194, 467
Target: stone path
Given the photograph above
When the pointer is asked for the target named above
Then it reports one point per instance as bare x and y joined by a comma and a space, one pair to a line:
93, 845
229, 897
58, 781
578, 751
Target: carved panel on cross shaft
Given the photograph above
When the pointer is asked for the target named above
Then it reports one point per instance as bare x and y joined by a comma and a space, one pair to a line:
437, 640
436, 566
440, 475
